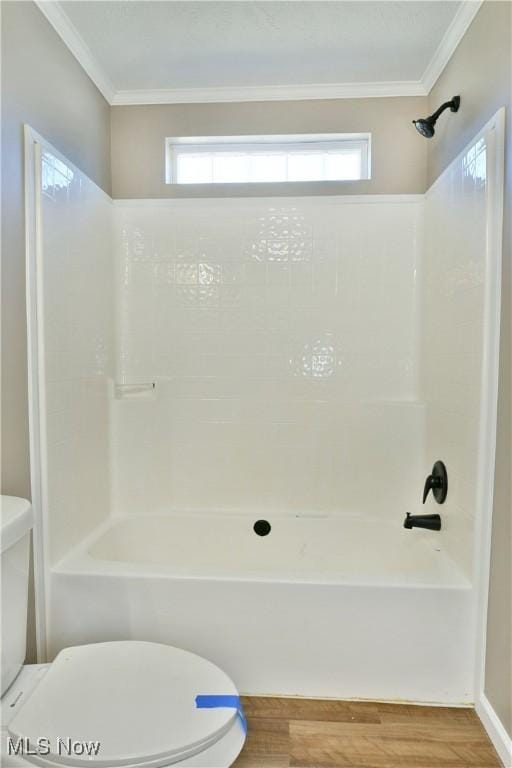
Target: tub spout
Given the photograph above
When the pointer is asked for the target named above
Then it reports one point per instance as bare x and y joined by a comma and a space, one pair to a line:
432, 522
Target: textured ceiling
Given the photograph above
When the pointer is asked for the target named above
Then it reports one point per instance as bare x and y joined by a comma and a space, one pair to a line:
148, 44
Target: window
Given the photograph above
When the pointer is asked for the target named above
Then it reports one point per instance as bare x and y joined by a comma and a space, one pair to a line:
250, 159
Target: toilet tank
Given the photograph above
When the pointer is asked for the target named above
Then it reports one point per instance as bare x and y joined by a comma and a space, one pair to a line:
15, 524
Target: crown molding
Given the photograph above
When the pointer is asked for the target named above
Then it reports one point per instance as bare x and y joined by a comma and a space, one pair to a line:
451, 38
270, 93
62, 24
60, 21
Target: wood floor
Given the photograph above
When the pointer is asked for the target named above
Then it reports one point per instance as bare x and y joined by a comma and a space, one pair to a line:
307, 733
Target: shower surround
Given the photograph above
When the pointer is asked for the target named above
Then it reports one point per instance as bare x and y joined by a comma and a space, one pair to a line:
282, 338
267, 359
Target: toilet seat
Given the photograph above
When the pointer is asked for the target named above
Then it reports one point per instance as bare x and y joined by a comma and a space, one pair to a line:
136, 698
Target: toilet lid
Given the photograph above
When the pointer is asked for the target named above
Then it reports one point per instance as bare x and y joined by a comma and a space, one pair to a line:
137, 699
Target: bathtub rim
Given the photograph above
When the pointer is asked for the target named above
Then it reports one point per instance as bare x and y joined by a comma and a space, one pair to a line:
79, 560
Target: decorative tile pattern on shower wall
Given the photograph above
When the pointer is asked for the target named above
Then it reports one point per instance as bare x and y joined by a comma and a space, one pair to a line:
282, 337
78, 289
452, 338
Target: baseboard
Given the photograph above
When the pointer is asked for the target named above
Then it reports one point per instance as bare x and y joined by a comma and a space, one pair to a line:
495, 730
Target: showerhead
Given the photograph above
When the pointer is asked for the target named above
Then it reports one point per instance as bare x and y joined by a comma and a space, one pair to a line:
425, 125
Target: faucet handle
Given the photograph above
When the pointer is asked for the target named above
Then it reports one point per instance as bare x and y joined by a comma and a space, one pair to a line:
437, 482
430, 484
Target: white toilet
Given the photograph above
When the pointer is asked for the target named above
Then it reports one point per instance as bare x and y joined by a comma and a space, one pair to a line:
127, 703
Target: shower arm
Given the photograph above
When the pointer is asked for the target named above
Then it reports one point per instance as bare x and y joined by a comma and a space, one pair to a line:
453, 104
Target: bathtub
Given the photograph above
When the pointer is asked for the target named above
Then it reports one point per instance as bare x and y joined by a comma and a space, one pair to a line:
321, 607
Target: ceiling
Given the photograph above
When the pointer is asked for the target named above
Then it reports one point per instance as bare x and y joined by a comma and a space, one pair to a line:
138, 51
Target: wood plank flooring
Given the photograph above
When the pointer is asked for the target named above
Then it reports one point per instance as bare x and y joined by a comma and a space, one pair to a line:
311, 733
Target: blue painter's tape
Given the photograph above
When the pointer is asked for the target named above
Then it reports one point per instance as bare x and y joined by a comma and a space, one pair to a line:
229, 702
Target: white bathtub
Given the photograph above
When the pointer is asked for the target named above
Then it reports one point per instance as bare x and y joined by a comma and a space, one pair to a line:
322, 606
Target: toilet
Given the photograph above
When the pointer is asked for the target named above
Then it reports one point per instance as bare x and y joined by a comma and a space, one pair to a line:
129, 703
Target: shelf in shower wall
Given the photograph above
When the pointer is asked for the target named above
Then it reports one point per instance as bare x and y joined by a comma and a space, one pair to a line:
394, 403
140, 391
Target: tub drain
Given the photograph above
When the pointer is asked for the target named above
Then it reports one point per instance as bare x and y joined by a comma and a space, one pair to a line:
262, 527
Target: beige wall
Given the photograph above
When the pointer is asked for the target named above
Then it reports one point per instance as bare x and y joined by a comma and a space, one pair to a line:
480, 71
43, 85
399, 155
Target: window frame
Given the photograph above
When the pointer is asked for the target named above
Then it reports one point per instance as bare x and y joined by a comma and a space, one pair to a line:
180, 145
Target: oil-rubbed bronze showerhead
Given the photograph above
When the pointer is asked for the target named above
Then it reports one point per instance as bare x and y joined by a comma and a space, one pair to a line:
425, 125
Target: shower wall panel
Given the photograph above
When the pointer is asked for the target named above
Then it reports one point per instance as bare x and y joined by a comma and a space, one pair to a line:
77, 320
282, 337
453, 289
